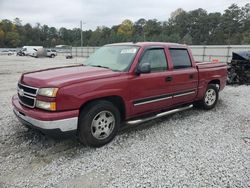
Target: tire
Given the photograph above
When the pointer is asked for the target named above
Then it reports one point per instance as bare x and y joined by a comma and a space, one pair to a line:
210, 98
99, 123
52, 56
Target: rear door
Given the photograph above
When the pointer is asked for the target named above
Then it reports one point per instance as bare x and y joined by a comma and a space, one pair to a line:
151, 91
184, 76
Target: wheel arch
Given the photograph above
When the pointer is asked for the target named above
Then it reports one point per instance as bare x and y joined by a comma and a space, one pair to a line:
114, 99
215, 82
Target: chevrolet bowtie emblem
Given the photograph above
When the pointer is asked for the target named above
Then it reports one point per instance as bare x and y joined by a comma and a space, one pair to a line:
21, 92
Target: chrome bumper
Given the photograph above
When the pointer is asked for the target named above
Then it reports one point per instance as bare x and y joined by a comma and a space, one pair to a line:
64, 125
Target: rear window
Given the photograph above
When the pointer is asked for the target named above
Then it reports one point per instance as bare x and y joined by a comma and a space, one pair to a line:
180, 58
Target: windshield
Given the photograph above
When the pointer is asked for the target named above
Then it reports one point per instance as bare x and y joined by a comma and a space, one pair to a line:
116, 58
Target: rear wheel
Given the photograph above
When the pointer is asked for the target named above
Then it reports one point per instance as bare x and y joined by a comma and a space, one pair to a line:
210, 98
99, 122
52, 56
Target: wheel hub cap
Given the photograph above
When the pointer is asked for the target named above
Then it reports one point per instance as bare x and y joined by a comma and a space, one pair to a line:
102, 125
210, 97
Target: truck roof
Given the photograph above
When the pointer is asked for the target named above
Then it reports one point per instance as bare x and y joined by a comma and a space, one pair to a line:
145, 44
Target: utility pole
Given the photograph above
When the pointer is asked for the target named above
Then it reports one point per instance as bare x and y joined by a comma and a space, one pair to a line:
81, 36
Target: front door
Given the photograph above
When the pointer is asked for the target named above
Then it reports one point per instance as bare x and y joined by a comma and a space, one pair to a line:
151, 91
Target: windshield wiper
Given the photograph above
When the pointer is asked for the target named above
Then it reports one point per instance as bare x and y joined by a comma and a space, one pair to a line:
100, 66
104, 67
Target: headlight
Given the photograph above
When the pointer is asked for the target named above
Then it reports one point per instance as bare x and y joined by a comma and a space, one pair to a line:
46, 105
48, 92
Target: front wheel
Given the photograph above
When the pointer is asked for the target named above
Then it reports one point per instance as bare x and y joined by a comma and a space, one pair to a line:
210, 98
99, 122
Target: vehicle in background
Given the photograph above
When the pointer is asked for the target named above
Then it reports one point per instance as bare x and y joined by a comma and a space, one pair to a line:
7, 52
51, 53
20, 53
33, 51
120, 84
239, 68
69, 56
36, 51
65, 49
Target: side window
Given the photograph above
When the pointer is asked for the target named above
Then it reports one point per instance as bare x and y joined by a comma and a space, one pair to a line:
180, 58
156, 58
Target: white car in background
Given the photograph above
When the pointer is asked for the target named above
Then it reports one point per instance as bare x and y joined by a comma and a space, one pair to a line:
51, 53
7, 52
31, 50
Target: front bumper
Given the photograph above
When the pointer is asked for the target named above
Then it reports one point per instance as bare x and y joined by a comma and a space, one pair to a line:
61, 122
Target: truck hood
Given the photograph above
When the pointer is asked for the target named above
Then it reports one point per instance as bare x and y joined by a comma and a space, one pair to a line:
61, 76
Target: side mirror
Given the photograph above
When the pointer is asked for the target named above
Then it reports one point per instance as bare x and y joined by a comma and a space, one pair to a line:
143, 68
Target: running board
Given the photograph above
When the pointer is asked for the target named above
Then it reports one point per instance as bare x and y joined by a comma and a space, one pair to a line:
137, 121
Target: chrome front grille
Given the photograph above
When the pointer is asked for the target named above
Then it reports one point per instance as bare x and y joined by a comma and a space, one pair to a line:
27, 95
28, 89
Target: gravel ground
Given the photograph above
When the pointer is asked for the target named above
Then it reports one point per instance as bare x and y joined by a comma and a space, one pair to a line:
194, 148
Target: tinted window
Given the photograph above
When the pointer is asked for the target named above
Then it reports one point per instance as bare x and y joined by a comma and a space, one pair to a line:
156, 58
180, 58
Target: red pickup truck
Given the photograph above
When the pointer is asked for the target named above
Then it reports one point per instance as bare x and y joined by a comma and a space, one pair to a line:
125, 83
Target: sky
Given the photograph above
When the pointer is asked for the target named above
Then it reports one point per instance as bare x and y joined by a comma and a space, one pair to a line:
93, 13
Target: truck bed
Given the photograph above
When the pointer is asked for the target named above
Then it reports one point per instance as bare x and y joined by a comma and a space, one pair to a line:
211, 71
204, 65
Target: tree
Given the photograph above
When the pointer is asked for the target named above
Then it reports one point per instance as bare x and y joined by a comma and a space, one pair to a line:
152, 28
198, 26
17, 22
232, 24
52, 36
176, 13
126, 28
44, 33
13, 39
139, 27
246, 24
6, 25
215, 33
187, 39
1, 38
95, 38
246, 38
